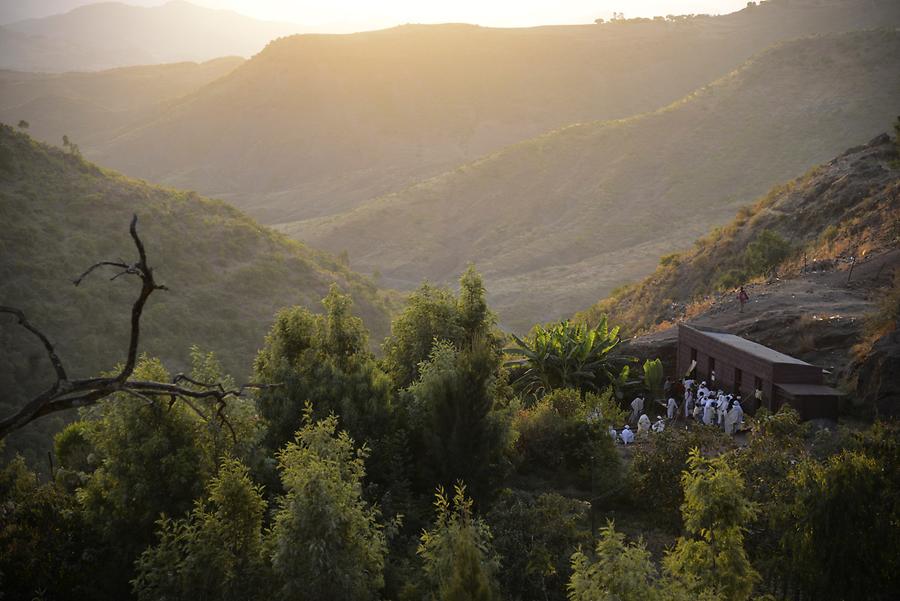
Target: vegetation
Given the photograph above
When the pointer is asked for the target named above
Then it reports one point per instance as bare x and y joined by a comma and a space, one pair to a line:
562, 219
227, 276
151, 501
818, 218
567, 355
445, 467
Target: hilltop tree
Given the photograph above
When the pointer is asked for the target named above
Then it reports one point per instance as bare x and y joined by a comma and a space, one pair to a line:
326, 542
23, 124
765, 252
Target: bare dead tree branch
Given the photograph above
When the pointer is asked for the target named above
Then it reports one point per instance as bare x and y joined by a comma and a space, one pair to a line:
67, 394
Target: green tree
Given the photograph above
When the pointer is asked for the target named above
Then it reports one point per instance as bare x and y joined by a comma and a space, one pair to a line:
566, 355
326, 541
23, 124
766, 252
474, 316
716, 512
459, 560
776, 444
846, 526
43, 539
435, 314
619, 572
560, 439
657, 467
459, 429
150, 459
326, 358
536, 538
215, 553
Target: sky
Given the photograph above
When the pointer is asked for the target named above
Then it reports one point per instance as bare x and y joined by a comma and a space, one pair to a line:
354, 15
372, 14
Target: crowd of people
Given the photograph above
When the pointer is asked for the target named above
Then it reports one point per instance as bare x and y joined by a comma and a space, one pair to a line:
709, 406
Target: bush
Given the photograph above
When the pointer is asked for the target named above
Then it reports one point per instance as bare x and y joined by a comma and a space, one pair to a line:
563, 446
768, 250
535, 538
657, 467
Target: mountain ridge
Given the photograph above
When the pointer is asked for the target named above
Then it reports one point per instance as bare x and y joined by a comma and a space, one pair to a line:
539, 210
114, 34
327, 122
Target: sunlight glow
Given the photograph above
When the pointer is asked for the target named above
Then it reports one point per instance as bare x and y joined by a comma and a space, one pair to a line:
350, 15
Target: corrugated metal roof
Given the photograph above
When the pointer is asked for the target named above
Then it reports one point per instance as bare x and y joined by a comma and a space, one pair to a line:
753, 348
796, 390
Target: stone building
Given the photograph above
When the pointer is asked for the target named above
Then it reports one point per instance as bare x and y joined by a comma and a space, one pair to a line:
743, 367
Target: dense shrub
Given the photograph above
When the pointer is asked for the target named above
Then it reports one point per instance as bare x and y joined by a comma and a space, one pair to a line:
657, 466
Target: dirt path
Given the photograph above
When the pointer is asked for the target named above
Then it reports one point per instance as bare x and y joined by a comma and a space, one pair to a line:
817, 316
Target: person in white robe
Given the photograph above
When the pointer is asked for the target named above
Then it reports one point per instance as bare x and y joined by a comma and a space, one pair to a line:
722, 409
703, 390
659, 425
643, 425
613, 434
730, 422
708, 411
637, 406
688, 404
627, 435
671, 407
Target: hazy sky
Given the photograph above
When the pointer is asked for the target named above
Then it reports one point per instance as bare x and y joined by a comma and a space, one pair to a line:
353, 15
380, 13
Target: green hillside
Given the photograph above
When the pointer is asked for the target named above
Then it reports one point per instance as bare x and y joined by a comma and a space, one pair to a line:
562, 219
317, 124
227, 274
90, 107
845, 208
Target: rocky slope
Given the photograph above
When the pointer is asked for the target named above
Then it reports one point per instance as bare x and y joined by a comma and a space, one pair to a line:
831, 301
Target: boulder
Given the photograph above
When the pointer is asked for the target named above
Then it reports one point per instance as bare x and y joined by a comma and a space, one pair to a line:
878, 383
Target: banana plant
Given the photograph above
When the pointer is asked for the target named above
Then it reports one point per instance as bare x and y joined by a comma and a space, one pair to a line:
566, 355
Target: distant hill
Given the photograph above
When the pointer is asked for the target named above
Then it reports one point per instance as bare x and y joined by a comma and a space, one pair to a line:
227, 274
317, 124
848, 207
113, 34
562, 219
19, 10
92, 107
